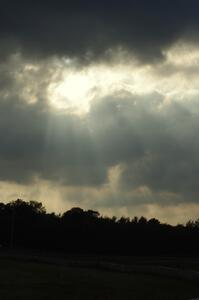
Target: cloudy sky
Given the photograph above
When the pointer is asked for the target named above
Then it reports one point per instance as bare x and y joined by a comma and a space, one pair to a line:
99, 106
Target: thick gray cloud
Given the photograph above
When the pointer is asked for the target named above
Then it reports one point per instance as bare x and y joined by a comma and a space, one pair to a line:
92, 29
38, 142
129, 147
158, 146
156, 143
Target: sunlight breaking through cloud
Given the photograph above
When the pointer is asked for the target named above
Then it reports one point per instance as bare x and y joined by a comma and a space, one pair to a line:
114, 136
77, 87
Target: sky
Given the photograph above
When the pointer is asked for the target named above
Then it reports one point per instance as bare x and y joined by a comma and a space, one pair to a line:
99, 106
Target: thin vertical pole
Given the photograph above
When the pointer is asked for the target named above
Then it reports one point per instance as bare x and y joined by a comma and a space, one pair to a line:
12, 232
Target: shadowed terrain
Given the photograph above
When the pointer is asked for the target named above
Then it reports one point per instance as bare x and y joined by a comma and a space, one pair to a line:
28, 280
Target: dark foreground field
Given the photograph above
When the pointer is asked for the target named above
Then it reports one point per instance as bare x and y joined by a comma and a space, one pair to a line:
28, 280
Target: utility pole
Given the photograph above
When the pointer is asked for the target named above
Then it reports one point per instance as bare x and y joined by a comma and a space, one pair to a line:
12, 231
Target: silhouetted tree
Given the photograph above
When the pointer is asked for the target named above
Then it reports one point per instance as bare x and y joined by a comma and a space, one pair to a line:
28, 225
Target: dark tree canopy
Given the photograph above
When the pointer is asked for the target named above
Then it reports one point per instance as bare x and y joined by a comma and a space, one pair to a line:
28, 225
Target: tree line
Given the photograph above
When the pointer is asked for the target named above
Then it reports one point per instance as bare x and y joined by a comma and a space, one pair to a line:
27, 225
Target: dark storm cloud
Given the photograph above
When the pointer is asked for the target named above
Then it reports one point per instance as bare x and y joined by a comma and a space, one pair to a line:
156, 144
38, 142
90, 29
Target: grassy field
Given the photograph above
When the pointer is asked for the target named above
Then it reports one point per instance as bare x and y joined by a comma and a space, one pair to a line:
27, 280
